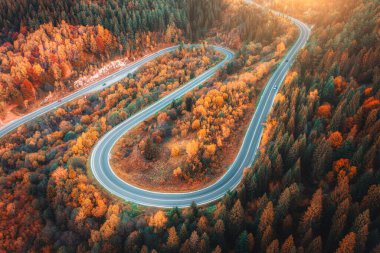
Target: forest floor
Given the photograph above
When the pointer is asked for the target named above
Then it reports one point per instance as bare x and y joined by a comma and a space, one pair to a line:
129, 163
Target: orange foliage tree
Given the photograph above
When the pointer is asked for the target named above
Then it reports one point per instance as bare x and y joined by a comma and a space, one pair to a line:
336, 139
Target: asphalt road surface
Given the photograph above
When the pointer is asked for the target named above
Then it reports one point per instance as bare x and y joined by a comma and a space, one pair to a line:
99, 160
109, 80
100, 156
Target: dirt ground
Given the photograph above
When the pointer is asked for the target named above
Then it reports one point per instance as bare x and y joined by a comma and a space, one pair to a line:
130, 165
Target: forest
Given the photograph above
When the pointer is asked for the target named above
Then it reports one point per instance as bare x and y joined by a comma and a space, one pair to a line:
315, 185
194, 140
124, 19
86, 34
49, 59
62, 140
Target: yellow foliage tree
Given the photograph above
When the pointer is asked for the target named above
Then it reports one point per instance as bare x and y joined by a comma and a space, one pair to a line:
209, 150
158, 220
219, 101
109, 227
202, 134
175, 150
192, 148
280, 48
177, 172
196, 124
173, 239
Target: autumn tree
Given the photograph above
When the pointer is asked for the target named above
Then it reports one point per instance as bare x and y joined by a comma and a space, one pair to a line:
313, 212
173, 239
235, 219
288, 245
150, 149
347, 245
158, 220
336, 139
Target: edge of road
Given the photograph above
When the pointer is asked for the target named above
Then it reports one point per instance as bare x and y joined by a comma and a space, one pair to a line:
96, 86
102, 170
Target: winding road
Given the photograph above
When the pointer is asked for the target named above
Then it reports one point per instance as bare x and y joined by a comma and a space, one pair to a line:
100, 157
109, 80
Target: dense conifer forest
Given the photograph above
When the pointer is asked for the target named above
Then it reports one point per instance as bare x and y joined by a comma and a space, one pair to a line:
122, 18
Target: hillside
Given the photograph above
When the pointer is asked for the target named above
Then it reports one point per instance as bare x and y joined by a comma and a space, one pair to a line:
315, 184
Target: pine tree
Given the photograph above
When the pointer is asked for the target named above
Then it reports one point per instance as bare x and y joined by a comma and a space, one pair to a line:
236, 217
267, 217
360, 227
183, 232
288, 246
150, 150
338, 223
315, 246
312, 216
173, 239
273, 247
348, 243
242, 242
194, 241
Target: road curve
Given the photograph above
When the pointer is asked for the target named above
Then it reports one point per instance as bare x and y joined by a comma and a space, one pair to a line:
109, 80
100, 156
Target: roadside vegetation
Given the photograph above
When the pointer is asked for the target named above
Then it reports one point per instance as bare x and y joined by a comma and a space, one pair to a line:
45, 63
48, 60
47, 157
46, 46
